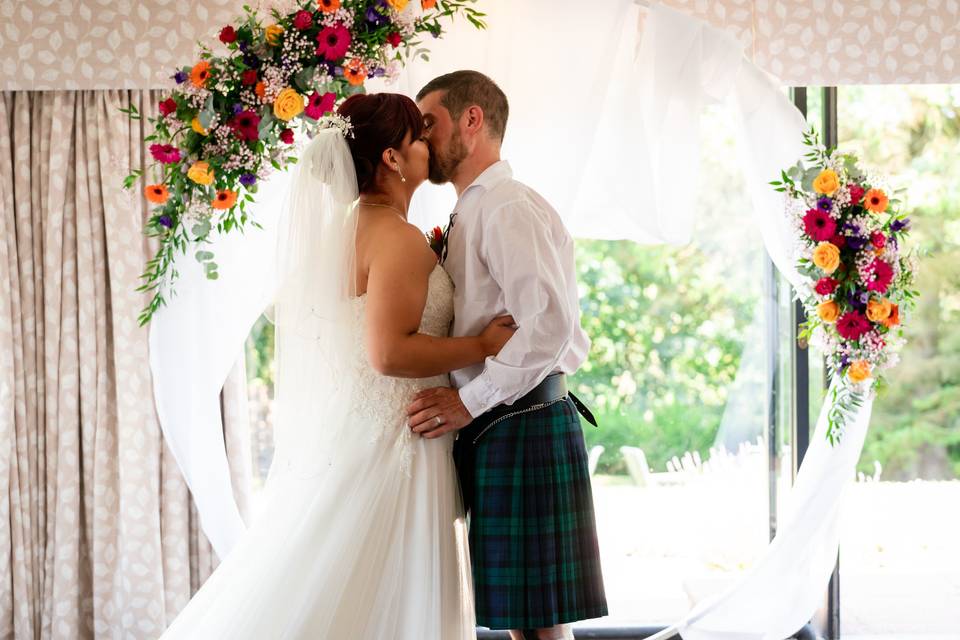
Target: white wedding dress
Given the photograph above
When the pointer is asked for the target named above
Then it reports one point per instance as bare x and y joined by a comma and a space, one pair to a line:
370, 545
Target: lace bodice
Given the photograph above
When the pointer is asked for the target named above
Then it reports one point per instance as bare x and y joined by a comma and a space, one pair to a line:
382, 400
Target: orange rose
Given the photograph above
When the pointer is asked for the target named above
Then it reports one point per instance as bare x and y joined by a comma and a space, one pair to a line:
224, 199
827, 257
200, 74
894, 318
827, 182
879, 310
859, 371
272, 34
157, 193
828, 311
288, 104
201, 173
876, 201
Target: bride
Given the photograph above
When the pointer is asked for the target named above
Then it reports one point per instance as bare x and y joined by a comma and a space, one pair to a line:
361, 535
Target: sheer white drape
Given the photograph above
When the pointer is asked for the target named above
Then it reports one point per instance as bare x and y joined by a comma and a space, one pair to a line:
605, 123
783, 590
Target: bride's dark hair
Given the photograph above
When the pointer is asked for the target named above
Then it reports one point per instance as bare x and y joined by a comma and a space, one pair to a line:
380, 121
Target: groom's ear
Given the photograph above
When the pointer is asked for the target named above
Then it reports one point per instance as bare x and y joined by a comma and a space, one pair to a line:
472, 118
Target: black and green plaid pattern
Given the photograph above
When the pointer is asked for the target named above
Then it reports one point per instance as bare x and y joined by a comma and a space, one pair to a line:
533, 539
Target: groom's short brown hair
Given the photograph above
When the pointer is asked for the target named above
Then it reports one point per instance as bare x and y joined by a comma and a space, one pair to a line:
467, 88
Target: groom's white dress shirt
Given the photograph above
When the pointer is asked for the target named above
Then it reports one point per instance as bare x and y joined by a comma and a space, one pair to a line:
509, 253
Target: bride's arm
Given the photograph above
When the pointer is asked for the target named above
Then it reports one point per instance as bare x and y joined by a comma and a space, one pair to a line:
398, 274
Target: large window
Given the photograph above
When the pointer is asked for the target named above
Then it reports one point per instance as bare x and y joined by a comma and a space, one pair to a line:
678, 376
900, 540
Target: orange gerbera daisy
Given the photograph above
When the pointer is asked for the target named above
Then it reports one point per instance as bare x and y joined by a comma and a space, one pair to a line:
200, 74
328, 6
224, 199
156, 193
876, 201
428, 4
355, 72
260, 89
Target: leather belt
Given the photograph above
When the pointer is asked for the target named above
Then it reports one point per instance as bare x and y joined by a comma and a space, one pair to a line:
552, 389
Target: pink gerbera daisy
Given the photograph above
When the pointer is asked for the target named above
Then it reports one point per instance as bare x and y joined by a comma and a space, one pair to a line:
852, 325
333, 42
245, 124
882, 276
819, 225
319, 105
165, 153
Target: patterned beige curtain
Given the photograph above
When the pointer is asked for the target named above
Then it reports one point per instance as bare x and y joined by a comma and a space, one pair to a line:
98, 537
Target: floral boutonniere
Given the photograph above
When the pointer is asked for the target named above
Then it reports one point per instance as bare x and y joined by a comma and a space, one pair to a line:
435, 240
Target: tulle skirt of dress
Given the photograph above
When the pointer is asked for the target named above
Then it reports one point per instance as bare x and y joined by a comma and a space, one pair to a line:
368, 547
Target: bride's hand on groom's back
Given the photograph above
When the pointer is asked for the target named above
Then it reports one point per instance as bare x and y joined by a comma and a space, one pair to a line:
497, 333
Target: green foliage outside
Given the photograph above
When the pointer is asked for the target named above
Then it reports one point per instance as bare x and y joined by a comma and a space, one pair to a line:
912, 134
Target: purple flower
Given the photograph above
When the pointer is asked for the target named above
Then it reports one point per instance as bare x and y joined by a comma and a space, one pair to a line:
375, 18
180, 77
858, 301
237, 108
900, 225
248, 179
844, 361
856, 242
166, 221
824, 203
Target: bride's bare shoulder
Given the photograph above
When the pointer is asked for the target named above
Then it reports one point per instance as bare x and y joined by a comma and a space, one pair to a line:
380, 235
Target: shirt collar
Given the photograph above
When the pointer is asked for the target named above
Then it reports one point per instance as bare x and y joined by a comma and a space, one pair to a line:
492, 176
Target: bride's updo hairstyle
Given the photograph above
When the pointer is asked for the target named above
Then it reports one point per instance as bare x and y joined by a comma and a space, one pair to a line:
380, 121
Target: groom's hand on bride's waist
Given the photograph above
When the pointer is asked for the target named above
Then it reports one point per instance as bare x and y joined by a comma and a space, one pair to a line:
437, 411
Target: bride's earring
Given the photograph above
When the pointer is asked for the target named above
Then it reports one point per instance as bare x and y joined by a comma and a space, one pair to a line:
402, 179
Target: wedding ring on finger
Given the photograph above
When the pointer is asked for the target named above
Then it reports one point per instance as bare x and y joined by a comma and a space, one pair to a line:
439, 420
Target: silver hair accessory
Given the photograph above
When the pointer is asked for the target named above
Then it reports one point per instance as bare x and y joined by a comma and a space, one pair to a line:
336, 121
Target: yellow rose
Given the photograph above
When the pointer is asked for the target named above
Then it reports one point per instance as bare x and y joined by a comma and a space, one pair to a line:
272, 34
828, 311
196, 126
879, 310
827, 182
859, 371
288, 104
201, 173
399, 5
827, 257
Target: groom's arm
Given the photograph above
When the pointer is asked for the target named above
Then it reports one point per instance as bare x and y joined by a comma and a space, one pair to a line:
523, 257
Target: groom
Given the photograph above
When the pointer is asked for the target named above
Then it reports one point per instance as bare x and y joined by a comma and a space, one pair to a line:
520, 451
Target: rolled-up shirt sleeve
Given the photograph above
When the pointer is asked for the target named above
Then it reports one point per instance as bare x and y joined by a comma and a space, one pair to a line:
524, 258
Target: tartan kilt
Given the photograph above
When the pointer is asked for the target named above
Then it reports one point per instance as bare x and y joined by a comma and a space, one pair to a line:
533, 538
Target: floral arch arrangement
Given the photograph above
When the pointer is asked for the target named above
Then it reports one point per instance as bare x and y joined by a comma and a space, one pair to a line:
850, 245
233, 117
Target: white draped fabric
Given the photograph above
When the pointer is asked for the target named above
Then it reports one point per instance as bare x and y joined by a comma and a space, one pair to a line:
607, 128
